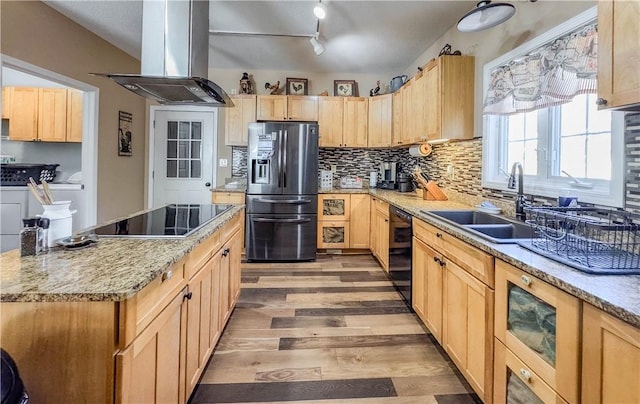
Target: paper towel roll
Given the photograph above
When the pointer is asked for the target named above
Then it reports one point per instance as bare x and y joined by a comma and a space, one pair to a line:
420, 150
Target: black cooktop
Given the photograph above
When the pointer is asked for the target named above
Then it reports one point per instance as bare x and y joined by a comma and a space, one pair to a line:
178, 220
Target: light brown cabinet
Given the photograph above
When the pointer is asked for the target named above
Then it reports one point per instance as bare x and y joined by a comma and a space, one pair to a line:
380, 121
287, 108
396, 136
355, 122
618, 53
408, 116
237, 119
540, 324
343, 221
449, 92
379, 240
330, 121
426, 284
44, 114
452, 294
359, 221
5, 102
610, 359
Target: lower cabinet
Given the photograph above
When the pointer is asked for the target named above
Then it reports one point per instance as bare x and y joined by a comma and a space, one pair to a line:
149, 370
379, 240
343, 221
610, 359
467, 331
426, 286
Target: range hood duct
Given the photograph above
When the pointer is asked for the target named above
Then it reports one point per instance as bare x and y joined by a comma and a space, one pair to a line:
175, 56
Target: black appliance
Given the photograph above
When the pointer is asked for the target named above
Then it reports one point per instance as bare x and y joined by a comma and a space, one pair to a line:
12, 388
282, 191
405, 184
177, 220
400, 239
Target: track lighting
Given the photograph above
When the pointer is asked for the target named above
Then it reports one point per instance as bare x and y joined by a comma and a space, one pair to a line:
320, 10
318, 48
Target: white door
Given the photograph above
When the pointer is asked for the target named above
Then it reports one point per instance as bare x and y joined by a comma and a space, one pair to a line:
183, 157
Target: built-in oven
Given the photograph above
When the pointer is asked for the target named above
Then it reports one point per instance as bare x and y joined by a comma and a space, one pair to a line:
400, 234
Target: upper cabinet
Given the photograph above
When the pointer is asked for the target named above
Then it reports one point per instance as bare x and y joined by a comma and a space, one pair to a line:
237, 119
330, 116
449, 97
287, 108
380, 120
618, 53
43, 114
343, 121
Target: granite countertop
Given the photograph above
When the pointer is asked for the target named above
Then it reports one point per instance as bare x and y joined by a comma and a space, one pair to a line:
618, 295
114, 269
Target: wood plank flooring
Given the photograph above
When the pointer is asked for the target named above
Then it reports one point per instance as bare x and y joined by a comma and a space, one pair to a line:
327, 332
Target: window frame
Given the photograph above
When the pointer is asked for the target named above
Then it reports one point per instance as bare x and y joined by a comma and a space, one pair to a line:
609, 193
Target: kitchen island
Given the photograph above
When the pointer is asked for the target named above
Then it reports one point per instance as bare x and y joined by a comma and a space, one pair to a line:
126, 320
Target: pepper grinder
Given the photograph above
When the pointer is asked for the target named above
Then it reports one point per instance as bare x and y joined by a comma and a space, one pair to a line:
29, 237
43, 240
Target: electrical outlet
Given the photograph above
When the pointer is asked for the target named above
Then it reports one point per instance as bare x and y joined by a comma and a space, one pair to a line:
334, 168
450, 171
223, 162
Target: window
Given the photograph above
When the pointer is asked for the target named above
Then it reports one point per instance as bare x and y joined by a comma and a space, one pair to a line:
573, 138
565, 147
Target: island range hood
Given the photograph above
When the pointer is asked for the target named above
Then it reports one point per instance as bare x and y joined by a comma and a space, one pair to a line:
175, 56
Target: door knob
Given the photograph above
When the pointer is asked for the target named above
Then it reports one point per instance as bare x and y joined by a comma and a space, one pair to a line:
207, 184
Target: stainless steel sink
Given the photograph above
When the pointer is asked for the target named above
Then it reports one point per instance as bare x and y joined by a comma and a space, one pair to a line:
494, 228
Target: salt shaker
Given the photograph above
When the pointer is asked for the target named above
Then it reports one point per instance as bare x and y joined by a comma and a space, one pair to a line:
43, 240
29, 237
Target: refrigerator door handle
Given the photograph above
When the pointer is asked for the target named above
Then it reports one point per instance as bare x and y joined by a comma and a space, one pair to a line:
285, 144
280, 159
265, 220
286, 201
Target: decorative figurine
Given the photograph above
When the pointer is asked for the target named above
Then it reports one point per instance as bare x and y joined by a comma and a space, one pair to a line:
245, 84
274, 89
375, 91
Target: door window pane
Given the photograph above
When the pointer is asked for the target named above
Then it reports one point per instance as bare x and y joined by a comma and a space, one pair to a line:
172, 130
195, 169
172, 168
172, 149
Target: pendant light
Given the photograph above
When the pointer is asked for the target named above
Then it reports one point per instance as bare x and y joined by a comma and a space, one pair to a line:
486, 15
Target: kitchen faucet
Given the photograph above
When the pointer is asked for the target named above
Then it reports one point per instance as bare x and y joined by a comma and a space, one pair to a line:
520, 199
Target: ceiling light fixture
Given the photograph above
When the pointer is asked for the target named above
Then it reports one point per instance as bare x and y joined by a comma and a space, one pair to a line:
486, 15
320, 10
318, 48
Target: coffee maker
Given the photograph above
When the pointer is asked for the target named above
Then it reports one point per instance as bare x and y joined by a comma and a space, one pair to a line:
388, 175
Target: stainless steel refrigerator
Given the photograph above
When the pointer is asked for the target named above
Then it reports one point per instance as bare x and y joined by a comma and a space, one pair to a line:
282, 191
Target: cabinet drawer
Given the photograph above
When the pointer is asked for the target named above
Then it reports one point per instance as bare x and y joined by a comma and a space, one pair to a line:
137, 312
201, 254
540, 324
516, 382
227, 197
476, 262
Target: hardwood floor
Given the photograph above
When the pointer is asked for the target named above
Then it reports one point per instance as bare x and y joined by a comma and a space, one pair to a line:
330, 331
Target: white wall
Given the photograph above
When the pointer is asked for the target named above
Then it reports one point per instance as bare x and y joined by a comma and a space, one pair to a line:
530, 21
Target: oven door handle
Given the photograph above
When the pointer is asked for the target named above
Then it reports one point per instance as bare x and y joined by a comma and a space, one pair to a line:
265, 220
287, 201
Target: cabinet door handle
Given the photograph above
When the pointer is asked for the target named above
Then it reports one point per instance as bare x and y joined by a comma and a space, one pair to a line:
439, 235
225, 252
187, 296
601, 101
526, 375
167, 275
526, 280
436, 259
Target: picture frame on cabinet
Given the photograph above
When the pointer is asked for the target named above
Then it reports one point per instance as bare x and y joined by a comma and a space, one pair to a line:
345, 88
297, 86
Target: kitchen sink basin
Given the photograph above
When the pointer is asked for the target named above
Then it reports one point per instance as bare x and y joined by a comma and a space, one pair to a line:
494, 228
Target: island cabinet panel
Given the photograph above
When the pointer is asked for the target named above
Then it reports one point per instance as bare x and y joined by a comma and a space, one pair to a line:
149, 370
610, 359
64, 350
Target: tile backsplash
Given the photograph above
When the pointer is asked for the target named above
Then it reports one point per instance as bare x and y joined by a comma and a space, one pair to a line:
466, 159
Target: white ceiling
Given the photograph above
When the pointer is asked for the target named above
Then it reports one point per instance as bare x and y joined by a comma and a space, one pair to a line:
359, 36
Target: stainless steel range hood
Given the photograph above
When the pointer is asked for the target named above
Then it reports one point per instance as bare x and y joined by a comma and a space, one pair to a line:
175, 55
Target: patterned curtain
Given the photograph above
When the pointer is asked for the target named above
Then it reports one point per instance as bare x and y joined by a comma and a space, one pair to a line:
551, 75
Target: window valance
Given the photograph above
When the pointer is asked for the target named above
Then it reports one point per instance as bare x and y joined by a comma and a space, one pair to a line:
551, 75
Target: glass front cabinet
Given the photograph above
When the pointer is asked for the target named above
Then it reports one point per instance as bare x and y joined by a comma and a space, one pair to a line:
333, 220
537, 340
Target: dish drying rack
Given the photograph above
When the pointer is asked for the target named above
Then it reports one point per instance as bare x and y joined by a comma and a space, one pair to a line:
592, 240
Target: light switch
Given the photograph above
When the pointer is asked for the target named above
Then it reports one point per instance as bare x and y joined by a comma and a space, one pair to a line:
224, 162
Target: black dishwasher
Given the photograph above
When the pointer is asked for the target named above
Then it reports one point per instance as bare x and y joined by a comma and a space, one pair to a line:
400, 238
